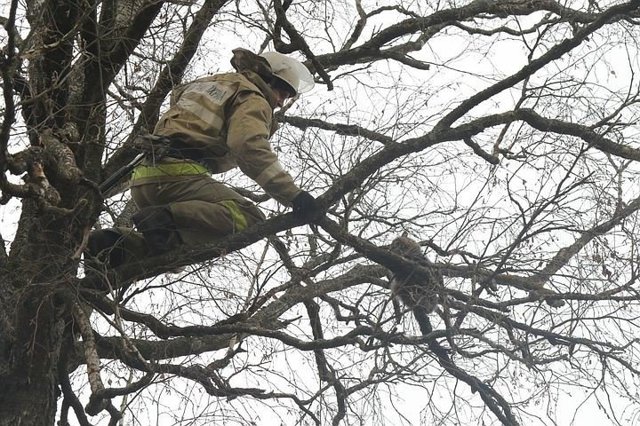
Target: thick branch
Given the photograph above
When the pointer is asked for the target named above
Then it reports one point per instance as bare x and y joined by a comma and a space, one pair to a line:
7, 67
92, 360
585, 133
127, 42
369, 51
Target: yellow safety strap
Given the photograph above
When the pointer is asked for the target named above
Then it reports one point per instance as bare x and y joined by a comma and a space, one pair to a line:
168, 169
239, 219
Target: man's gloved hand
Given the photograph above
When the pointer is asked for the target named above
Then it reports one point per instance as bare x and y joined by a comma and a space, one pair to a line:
305, 206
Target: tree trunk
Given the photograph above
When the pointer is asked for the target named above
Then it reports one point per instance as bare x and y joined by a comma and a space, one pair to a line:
27, 401
28, 372
33, 323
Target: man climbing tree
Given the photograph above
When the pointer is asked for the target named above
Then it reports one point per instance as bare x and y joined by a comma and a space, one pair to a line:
214, 124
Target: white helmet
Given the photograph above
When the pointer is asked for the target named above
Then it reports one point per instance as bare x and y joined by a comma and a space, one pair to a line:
290, 71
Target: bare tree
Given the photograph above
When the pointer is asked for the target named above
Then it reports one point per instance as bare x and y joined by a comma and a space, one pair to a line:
502, 135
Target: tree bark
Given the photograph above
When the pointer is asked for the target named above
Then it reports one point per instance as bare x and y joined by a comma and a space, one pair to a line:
35, 320
27, 401
28, 372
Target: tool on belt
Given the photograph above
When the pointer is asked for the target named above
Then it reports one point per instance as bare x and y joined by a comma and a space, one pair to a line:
149, 146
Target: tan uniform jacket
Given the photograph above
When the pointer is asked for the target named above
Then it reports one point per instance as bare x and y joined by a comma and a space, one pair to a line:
229, 118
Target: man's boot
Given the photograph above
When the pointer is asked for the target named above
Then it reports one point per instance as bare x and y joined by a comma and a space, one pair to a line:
105, 246
157, 227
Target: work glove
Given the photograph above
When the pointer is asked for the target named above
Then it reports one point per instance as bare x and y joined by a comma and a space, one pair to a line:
305, 206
